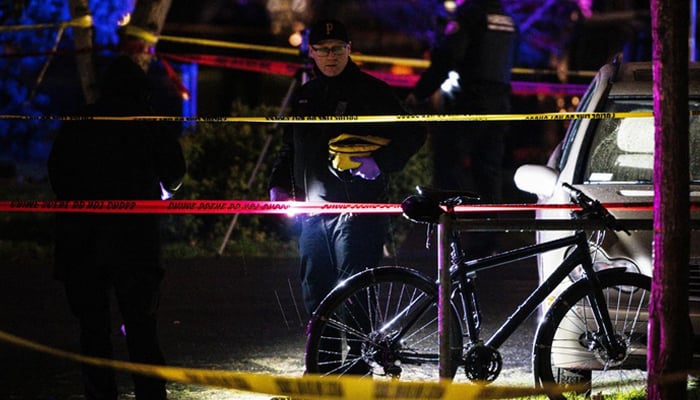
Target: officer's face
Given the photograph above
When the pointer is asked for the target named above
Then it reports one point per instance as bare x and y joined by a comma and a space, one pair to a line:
330, 56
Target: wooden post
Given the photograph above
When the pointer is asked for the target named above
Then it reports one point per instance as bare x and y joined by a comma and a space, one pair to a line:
669, 349
143, 31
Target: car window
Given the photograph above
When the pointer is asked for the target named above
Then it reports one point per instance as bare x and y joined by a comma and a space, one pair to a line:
622, 150
574, 125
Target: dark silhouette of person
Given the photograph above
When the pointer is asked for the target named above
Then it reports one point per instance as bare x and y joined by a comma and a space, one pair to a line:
97, 254
479, 44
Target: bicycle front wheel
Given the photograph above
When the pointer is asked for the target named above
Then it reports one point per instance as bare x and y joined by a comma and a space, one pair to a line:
568, 345
380, 322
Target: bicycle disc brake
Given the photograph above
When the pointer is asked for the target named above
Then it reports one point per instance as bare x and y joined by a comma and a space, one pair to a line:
593, 343
482, 363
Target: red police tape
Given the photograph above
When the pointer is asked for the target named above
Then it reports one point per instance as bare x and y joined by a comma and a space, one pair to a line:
264, 207
393, 79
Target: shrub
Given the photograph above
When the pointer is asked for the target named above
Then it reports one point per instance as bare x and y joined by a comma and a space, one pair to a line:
220, 160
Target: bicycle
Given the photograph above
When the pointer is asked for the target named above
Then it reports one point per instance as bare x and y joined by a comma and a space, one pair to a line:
384, 321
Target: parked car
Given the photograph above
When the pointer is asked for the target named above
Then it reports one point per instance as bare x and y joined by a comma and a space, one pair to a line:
612, 160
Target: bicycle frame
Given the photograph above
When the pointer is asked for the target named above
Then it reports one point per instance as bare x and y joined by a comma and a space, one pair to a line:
388, 313
461, 272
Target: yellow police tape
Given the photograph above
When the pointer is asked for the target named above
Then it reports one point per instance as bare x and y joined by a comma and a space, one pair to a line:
409, 62
84, 21
324, 119
402, 61
146, 36
229, 45
308, 386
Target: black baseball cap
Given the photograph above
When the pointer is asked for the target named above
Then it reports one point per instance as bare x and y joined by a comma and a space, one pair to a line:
327, 29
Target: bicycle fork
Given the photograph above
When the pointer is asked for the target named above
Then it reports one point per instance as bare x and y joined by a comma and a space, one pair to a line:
614, 348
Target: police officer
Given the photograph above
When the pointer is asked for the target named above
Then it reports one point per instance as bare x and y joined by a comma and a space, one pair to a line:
479, 44
309, 166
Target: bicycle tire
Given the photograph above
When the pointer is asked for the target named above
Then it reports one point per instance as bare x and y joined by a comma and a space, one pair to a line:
345, 335
566, 352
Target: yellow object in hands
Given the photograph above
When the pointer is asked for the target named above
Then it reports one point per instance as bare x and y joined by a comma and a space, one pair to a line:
346, 145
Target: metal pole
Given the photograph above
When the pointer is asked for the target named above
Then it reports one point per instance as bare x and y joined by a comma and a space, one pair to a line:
444, 232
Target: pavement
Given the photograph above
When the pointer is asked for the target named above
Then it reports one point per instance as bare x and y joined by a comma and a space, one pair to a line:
223, 313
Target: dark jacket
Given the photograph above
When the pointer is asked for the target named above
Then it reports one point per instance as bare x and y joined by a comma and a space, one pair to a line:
113, 160
302, 167
480, 45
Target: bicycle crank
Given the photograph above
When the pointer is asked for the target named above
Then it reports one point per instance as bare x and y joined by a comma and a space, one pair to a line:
482, 363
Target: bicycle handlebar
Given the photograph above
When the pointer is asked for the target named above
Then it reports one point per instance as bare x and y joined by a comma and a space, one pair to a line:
591, 208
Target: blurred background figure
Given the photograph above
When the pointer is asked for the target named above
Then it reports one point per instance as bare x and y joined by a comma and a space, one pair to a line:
478, 44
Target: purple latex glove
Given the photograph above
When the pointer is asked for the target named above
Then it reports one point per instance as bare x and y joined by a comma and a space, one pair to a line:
279, 194
368, 168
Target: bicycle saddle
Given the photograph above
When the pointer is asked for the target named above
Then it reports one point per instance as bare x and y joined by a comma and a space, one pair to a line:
421, 209
424, 207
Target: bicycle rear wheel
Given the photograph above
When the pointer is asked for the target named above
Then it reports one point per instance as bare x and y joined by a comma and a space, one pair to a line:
380, 322
568, 350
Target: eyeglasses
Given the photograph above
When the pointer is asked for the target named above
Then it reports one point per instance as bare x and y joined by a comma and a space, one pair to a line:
325, 51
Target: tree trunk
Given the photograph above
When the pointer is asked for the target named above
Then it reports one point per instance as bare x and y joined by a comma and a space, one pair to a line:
141, 35
669, 330
84, 55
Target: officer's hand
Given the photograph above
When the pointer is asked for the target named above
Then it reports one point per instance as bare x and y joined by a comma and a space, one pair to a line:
279, 194
368, 168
